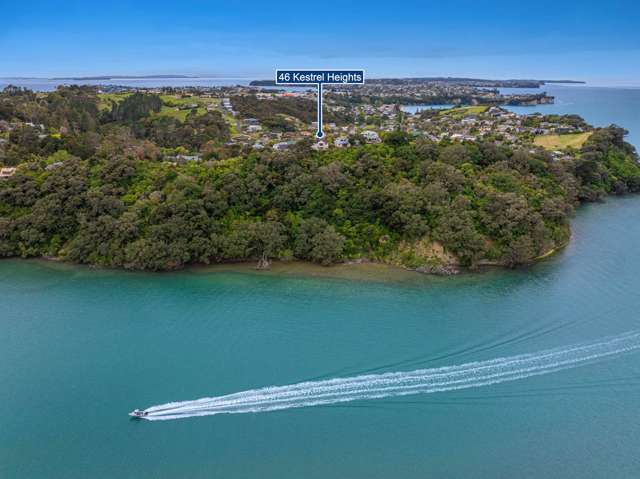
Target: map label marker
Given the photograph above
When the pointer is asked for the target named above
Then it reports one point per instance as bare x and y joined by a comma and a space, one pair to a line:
319, 77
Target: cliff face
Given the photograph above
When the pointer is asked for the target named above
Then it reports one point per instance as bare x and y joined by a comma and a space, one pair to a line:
431, 257
530, 100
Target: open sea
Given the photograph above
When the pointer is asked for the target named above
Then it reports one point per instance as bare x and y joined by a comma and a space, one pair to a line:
316, 373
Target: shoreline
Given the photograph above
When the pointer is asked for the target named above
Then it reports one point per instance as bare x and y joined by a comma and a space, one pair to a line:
362, 269
553, 251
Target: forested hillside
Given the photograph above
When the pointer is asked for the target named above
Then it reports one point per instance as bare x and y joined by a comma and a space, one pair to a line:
93, 187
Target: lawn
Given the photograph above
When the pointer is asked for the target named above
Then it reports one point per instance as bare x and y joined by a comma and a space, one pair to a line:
171, 102
463, 111
178, 114
178, 100
560, 142
182, 101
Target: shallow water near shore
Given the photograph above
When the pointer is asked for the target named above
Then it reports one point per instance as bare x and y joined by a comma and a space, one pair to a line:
80, 348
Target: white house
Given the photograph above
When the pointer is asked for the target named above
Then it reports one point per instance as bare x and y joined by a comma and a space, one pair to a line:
371, 136
7, 172
320, 145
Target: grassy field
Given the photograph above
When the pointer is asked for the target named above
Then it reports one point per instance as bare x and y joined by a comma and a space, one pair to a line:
559, 142
180, 101
175, 102
179, 114
107, 98
463, 111
172, 102
232, 122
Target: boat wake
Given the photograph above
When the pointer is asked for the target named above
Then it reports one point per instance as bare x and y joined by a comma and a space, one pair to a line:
421, 381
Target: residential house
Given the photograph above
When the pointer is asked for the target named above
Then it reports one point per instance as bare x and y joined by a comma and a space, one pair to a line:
283, 145
320, 145
371, 136
341, 142
7, 172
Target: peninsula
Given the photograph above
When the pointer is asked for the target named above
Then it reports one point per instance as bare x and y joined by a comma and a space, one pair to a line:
159, 178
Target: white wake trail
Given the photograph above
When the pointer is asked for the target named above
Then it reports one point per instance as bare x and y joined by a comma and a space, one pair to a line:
421, 381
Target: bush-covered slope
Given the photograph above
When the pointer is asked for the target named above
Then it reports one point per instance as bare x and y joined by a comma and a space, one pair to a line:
99, 192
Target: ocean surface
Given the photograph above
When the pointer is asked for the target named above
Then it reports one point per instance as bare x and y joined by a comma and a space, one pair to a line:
80, 348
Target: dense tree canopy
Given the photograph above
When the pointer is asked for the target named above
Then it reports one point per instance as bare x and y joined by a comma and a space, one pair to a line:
135, 107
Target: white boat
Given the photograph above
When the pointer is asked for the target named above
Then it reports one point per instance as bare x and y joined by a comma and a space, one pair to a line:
138, 413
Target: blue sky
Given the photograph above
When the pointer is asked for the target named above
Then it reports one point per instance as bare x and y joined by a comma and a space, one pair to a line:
592, 40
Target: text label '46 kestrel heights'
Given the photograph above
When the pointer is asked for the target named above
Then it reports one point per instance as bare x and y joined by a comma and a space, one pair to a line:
319, 77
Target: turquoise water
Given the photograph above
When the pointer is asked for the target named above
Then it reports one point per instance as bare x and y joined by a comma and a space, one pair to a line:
80, 348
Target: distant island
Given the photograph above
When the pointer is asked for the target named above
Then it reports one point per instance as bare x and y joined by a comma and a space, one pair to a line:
121, 77
576, 82
476, 82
